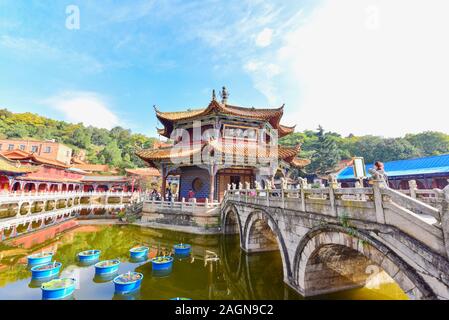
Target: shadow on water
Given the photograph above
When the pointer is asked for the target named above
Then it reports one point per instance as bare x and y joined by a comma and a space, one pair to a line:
216, 268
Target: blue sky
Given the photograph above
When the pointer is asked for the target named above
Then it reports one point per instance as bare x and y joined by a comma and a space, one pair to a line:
331, 64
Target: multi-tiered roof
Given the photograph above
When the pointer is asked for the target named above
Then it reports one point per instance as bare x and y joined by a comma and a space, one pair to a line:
270, 116
273, 116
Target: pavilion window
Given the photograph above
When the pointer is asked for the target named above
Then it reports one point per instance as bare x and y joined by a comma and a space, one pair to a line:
22, 147
47, 149
10, 147
33, 148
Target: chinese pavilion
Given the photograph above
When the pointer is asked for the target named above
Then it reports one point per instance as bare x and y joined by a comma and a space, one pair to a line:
222, 145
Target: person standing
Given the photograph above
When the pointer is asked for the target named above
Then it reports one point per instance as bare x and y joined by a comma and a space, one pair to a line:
191, 195
380, 168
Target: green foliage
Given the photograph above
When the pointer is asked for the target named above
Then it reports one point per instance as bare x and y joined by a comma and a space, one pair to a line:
115, 147
325, 149
326, 155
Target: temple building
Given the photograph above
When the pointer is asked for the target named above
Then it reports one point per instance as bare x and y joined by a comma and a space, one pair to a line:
49, 149
220, 146
49, 174
28, 172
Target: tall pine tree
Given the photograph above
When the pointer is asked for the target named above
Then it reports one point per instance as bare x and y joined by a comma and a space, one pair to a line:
327, 154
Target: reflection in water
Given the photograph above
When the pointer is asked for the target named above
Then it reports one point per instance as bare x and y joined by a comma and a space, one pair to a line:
216, 268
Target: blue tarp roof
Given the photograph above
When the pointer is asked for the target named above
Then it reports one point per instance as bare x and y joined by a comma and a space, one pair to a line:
418, 166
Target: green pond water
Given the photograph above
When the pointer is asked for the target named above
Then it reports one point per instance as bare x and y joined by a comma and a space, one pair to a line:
216, 269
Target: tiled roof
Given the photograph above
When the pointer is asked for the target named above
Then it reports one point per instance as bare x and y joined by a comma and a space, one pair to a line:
48, 179
166, 153
250, 150
93, 167
284, 130
23, 155
418, 166
300, 162
214, 106
6, 165
152, 172
271, 115
77, 161
105, 179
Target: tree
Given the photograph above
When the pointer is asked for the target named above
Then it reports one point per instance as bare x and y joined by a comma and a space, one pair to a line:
429, 143
112, 153
327, 154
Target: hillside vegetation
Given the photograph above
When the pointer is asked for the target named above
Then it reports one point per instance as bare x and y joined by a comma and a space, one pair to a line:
116, 147
326, 149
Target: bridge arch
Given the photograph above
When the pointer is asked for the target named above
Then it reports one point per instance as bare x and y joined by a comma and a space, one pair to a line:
231, 223
335, 247
261, 229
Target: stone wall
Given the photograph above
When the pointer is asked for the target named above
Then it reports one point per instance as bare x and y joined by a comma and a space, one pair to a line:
208, 220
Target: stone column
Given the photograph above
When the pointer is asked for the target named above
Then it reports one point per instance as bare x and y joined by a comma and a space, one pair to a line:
211, 184
378, 183
445, 218
332, 185
413, 186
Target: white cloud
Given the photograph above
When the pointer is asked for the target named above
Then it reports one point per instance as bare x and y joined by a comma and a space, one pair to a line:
86, 107
264, 38
358, 68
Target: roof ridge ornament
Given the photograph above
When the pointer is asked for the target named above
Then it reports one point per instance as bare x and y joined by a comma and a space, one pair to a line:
224, 95
214, 97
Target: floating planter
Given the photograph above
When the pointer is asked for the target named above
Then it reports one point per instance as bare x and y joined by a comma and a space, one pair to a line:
58, 288
139, 253
47, 270
106, 267
89, 256
127, 282
40, 258
182, 249
162, 263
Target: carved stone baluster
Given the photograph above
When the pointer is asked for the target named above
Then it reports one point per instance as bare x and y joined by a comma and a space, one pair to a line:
445, 218
332, 185
413, 186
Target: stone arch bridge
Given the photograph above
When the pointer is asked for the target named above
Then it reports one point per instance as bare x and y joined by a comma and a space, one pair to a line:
333, 239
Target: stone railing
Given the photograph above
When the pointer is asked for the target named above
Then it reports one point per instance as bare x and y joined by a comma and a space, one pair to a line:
182, 206
433, 197
21, 220
9, 197
378, 204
